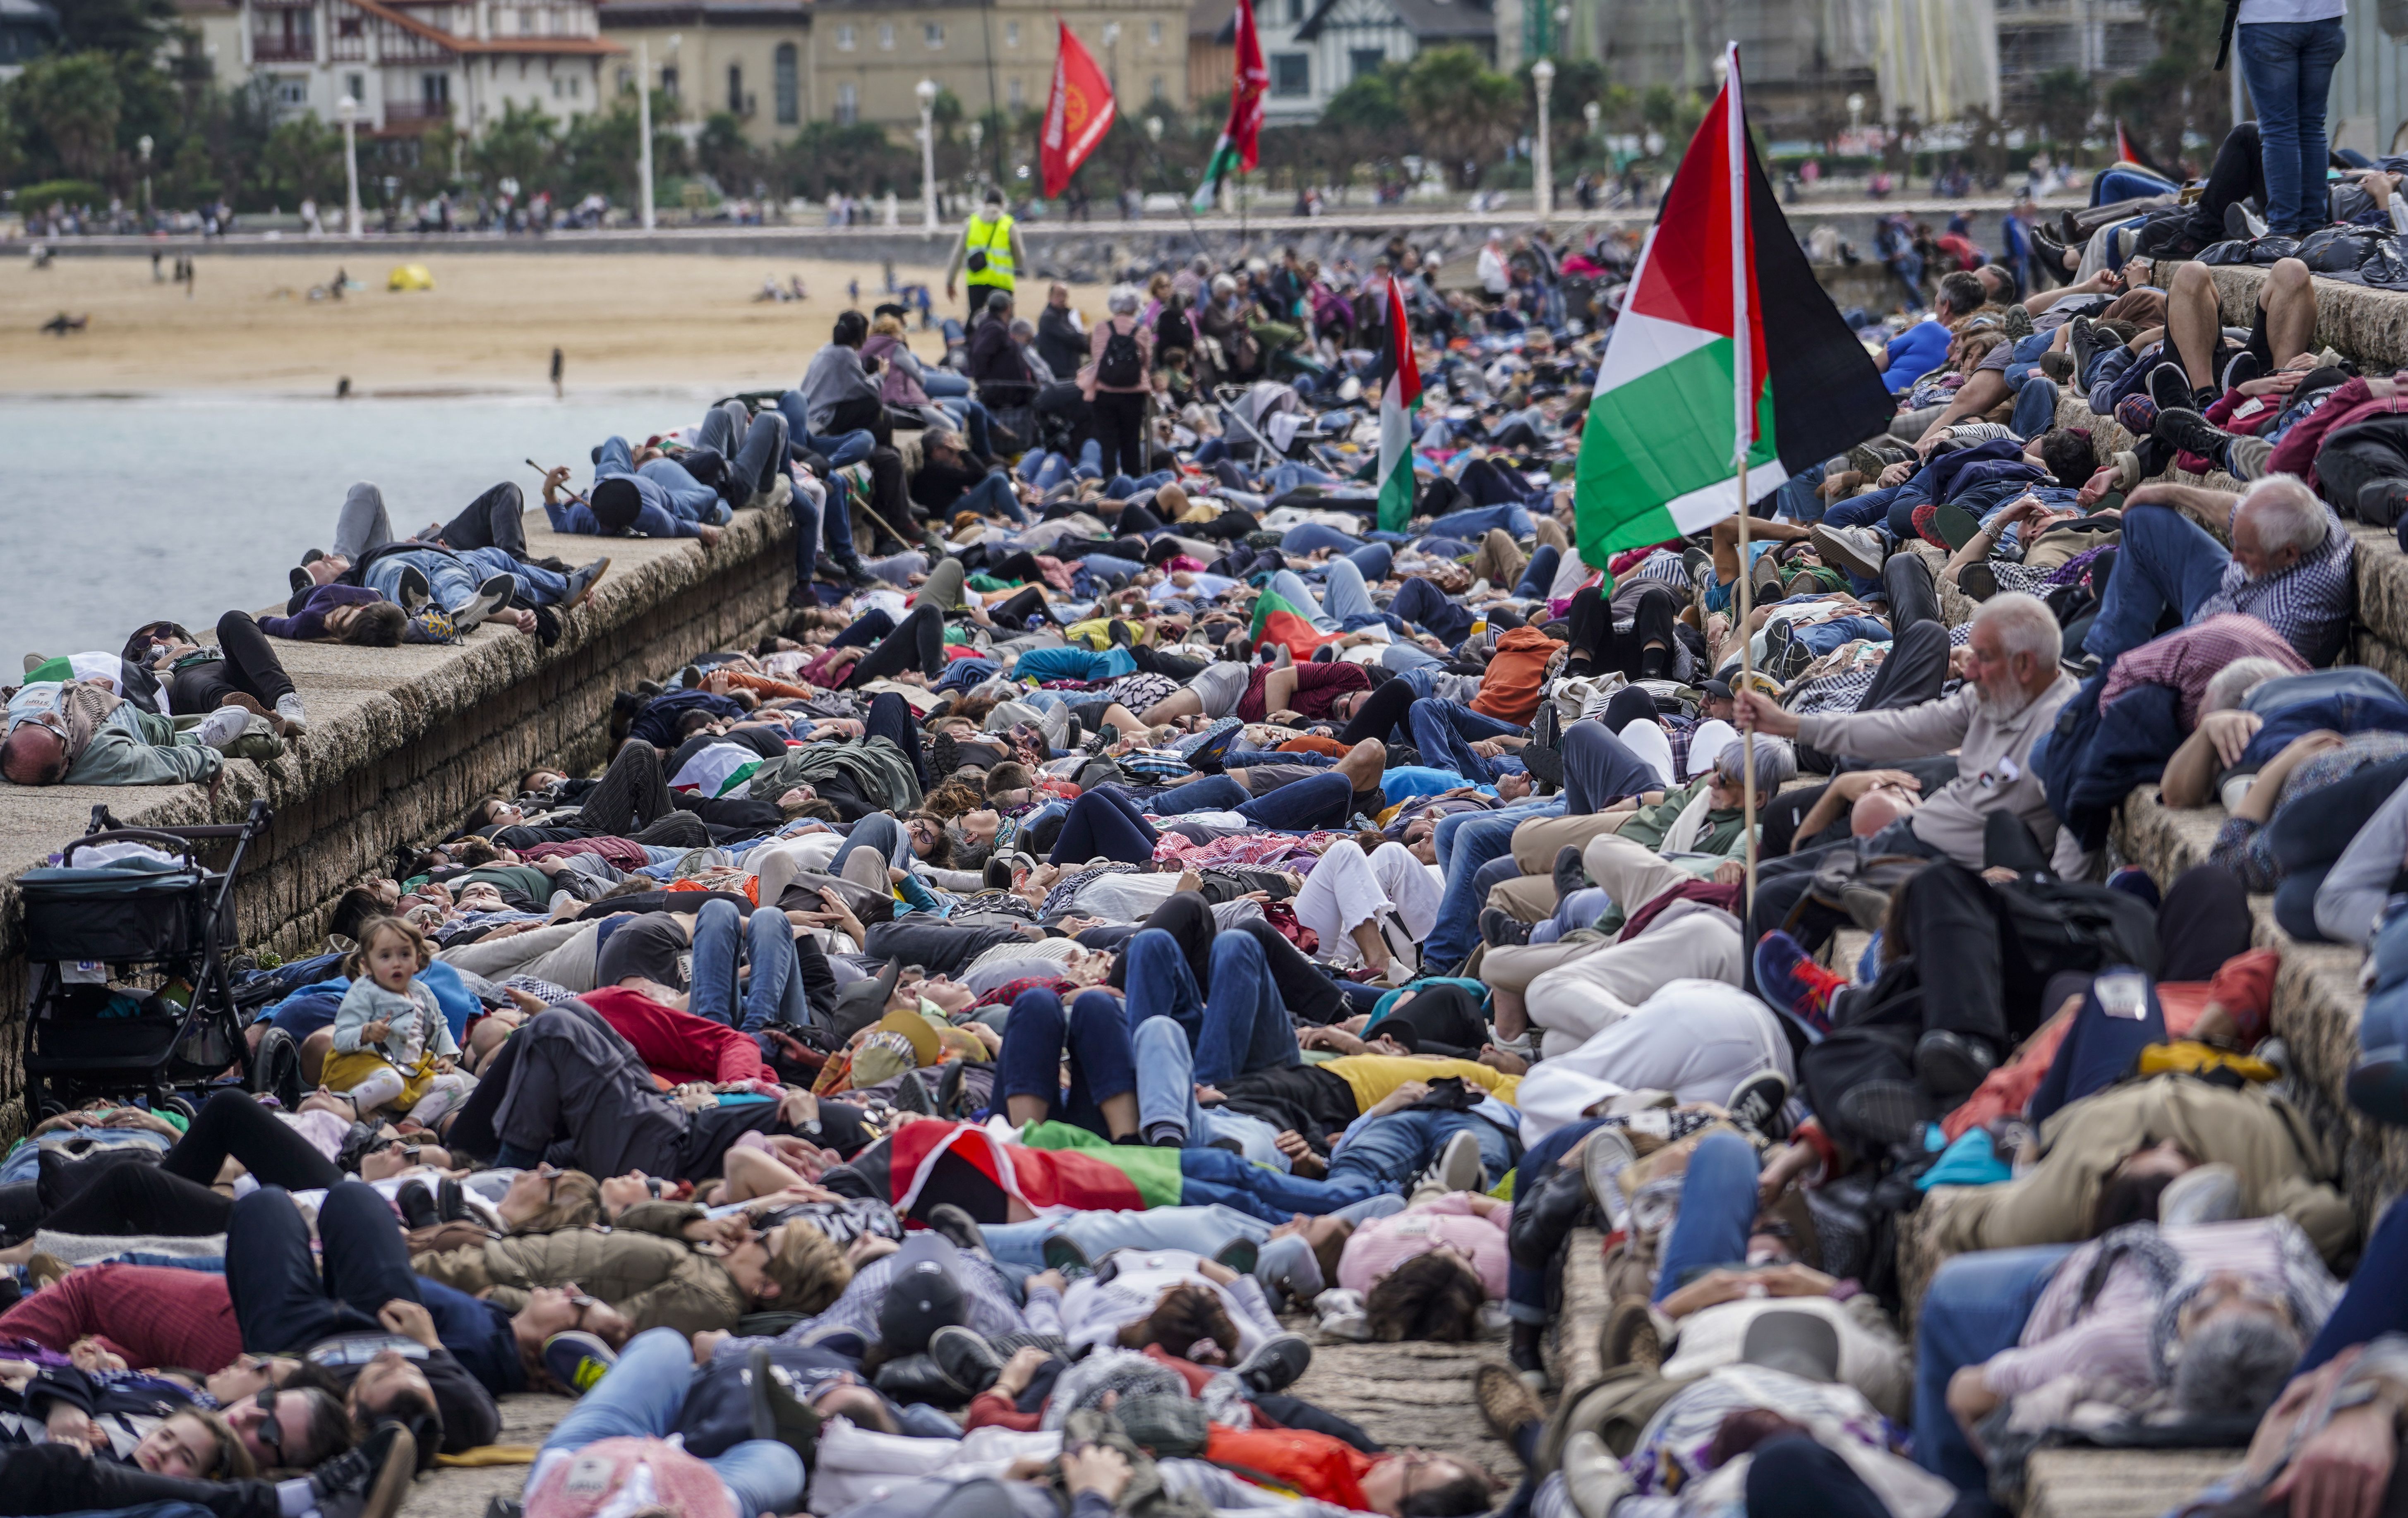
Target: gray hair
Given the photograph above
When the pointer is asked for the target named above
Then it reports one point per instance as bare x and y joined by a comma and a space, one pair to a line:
1020, 328
2287, 513
2026, 625
1223, 285
1122, 301
1776, 764
2235, 1367
2231, 685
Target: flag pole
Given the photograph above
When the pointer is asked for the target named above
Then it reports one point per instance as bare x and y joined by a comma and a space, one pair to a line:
1744, 397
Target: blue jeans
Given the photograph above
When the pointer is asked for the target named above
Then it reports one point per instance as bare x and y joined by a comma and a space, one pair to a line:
1444, 731
1540, 574
1975, 1306
1383, 1156
1239, 1027
1373, 561
2114, 184
2385, 1022
774, 994
537, 585
1313, 537
1121, 487
754, 446
2035, 409
2167, 560
689, 497
1473, 523
1166, 1094
839, 448
941, 385
2290, 68
1200, 1230
992, 498
1718, 1204
1344, 597
1823, 637
1466, 841
1288, 583
1286, 477
969, 415
2373, 1304
642, 1397
452, 583
1431, 610
1096, 1035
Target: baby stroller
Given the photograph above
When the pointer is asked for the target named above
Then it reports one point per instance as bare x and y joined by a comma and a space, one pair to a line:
126, 939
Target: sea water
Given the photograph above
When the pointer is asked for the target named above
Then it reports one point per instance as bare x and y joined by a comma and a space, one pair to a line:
115, 512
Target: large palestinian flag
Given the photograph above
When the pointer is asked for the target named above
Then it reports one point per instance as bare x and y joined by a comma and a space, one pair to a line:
1279, 620
1044, 1164
1726, 348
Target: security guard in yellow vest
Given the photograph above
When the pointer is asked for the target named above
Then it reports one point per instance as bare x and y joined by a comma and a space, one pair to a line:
990, 250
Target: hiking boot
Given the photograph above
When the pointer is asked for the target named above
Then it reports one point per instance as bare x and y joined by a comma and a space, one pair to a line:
1506, 1404
583, 582
413, 589
1978, 582
1756, 1102
2382, 503
2170, 388
1501, 929
1571, 875
951, 1221
370, 1480
965, 1356
1858, 550
2188, 431
1951, 1066
577, 1360
1276, 1363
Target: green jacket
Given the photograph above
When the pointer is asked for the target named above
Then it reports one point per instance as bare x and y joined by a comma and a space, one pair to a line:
656, 1281
1721, 833
135, 746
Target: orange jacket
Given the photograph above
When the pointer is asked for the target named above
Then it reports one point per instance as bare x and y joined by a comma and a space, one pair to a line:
1509, 692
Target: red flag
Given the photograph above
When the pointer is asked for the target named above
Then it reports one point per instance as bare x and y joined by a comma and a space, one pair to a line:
1246, 90
1077, 115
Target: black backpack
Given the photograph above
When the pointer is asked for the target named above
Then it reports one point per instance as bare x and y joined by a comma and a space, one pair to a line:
1121, 366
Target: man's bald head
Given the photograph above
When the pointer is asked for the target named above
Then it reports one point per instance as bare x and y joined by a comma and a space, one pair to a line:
34, 755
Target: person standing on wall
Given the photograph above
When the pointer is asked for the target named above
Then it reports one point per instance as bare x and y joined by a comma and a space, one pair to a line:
989, 252
2288, 50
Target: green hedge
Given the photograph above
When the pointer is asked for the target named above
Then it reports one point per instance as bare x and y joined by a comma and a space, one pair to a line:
48, 192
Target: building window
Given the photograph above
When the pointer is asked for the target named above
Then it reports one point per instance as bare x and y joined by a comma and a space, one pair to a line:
932, 33
1295, 11
1159, 94
356, 86
848, 104
1017, 94
292, 91
435, 90
1012, 34
670, 81
789, 91
1291, 74
626, 79
886, 36
844, 37
1154, 33
1364, 60
736, 89
576, 87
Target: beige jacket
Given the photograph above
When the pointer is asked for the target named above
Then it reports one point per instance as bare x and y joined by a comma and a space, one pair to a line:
1994, 769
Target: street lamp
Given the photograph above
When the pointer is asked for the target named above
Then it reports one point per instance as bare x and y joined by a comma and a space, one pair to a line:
346, 112
1542, 74
644, 133
1153, 129
142, 145
1563, 24
927, 94
1855, 113
1112, 56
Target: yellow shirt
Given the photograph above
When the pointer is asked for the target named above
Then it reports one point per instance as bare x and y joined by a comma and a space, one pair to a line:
1373, 1076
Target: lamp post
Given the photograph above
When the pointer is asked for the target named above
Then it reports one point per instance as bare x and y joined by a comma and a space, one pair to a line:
926, 92
1855, 113
1112, 56
1542, 74
142, 145
644, 133
346, 112
977, 133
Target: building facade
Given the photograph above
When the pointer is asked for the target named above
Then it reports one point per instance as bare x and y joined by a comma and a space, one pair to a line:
751, 59
2095, 37
28, 29
412, 64
1314, 48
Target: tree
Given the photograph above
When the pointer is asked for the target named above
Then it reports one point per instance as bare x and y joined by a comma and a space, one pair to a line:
725, 155
304, 161
2061, 107
520, 146
599, 153
133, 28
72, 100
1462, 109
1365, 123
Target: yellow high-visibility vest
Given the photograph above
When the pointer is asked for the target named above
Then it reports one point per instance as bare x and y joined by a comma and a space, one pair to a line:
994, 239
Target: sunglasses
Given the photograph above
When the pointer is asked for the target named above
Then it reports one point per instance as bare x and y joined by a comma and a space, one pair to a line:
270, 1432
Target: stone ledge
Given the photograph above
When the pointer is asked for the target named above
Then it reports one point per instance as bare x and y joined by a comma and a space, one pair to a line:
2118, 1483
402, 740
2367, 325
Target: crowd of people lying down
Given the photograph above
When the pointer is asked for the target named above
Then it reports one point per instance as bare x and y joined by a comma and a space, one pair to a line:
1141, 924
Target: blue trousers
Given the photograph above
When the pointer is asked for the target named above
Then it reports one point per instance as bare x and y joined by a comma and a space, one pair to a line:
2289, 69
755, 446
1383, 1156
1444, 731
1472, 522
1323, 800
1313, 537
1431, 610
1238, 1027
1166, 1094
1975, 1306
2373, 1304
2098, 1051
774, 994
642, 1397
1095, 1035
2114, 184
992, 498
839, 448
1465, 842
1104, 825
1718, 1206
2167, 561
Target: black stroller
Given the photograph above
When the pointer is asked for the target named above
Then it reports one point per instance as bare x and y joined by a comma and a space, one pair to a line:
131, 994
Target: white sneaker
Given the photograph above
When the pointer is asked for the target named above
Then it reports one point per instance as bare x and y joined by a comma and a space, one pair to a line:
1858, 550
1458, 1167
287, 707
1342, 1314
222, 726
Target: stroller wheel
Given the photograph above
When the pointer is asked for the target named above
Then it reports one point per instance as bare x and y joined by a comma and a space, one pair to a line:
275, 1068
181, 1106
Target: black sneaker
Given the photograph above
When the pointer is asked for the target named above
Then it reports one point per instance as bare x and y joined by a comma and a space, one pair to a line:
2186, 429
777, 1412
414, 589
1979, 582
2245, 366
951, 1221
299, 580
370, 1480
2081, 336
2170, 387
2382, 502
1758, 1102
1276, 1363
1950, 1065
965, 1356
1066, 1257
1501, 929
1569, 874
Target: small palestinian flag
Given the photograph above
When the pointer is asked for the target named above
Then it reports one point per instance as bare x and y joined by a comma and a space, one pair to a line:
1726, 349
1279, 620
1398, 399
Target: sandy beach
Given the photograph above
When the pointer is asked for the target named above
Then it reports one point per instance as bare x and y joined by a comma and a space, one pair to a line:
489, 323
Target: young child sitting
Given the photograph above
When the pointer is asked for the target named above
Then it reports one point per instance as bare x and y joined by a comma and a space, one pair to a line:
392, 1042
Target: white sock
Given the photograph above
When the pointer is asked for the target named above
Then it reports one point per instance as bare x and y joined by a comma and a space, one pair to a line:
448, 1092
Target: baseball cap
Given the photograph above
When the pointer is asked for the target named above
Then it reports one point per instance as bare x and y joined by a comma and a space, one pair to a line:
1720, 689
616, 502
922, 1296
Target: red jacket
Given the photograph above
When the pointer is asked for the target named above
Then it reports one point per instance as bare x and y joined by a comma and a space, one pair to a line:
149, 1316
678, 1046
2296, 454
1315, 1465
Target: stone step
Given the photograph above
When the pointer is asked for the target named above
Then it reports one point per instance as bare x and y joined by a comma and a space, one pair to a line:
2117, 1484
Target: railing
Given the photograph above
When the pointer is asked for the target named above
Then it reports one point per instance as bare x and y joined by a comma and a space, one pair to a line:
417, 110
278, 49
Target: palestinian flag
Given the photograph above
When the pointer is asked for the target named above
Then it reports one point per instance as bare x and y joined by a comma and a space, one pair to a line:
1279, 620
1726, 349
1242, 137
1398, 399
1051, 1164
2128, 150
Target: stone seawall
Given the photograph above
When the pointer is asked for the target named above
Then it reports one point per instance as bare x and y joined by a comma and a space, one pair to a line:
401, 740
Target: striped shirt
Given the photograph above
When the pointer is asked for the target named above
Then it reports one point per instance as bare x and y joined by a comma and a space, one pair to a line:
2310, 603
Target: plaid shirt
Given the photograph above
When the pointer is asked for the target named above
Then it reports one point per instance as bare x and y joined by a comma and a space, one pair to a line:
2310, 603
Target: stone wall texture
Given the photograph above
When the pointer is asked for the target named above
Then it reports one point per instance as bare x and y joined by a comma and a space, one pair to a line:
402, 740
